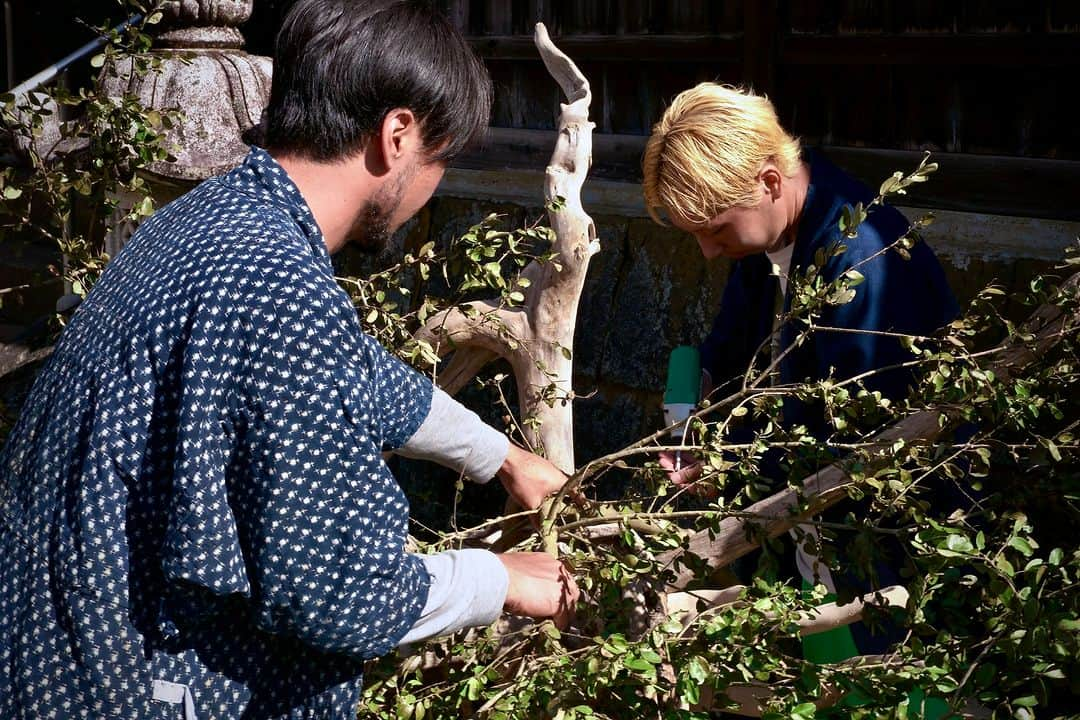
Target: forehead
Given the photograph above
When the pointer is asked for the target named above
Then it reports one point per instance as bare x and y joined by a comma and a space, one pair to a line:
723, 217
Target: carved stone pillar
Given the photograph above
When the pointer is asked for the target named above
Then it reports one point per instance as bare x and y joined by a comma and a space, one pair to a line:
204, 73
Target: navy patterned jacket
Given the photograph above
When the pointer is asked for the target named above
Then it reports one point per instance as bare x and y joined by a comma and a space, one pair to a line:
195, 517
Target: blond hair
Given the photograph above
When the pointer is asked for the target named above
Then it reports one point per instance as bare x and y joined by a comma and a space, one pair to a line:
705, 154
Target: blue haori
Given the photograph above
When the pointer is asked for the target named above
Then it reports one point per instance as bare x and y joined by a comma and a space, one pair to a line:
195, 517
898, 295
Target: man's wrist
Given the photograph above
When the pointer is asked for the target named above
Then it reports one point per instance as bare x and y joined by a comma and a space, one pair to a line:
511, 463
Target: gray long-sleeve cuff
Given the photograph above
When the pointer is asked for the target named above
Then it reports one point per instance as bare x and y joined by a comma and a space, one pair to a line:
468, 589
454, 436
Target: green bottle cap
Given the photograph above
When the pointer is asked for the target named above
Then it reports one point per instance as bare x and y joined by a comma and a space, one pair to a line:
683, 376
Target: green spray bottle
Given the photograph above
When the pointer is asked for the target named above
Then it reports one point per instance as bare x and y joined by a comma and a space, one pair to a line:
682, 392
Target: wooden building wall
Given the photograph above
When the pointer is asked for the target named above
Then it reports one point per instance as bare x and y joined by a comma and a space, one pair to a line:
991, 85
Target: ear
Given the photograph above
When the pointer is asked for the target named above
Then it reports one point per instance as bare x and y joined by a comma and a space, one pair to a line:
772, 181
399, 137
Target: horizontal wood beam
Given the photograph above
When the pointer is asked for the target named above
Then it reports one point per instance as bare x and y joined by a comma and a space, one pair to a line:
995, 184
999, 49
619, 48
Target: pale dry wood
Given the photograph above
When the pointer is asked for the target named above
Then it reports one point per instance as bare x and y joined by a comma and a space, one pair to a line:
533, 337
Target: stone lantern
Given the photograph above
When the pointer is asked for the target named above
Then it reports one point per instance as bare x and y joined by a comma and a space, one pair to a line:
220, 90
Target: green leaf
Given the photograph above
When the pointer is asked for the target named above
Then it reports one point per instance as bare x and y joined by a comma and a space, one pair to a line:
651, 657
959, 544
98, 60
146, 207
854, 277
1022, 545
891, 183
698, 668
632, 662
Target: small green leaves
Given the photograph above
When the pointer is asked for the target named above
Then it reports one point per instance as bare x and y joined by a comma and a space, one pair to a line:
851, 217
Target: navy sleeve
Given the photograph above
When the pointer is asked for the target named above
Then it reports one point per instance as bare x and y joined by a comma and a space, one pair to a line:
897, 295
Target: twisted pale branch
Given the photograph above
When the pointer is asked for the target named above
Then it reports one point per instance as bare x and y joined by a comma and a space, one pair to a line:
481, 324
533, 337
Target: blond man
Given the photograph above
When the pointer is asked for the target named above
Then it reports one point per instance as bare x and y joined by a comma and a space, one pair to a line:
720, 166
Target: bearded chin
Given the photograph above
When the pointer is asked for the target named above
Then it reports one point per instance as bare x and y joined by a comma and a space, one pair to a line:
371, 230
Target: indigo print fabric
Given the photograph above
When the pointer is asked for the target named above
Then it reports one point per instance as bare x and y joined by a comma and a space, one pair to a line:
193, 504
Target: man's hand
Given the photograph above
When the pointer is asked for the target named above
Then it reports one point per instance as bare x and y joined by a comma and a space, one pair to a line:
529, 478
540, 587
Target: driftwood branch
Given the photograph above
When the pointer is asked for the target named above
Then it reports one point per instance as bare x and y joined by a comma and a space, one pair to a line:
482, 325
544, 324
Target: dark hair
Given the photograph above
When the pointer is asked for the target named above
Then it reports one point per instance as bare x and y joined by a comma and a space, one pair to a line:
341, 65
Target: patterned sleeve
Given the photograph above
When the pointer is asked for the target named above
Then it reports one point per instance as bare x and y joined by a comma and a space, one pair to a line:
307, 521
401, 396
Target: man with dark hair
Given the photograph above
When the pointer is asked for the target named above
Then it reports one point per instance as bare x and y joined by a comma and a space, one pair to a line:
195, 517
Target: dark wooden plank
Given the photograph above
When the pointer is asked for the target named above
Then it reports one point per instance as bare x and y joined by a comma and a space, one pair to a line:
498, 17
810, 16
688, 16
502, 83
995, 184
728, 15
1000, 16
863, 16
538, 96
699, 48
633, 16
760, 45
589, 17
985, 50
529, 12
924, 16
991, 184
625, 87
458, 13
1064, 15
